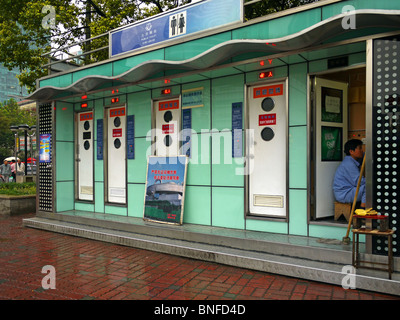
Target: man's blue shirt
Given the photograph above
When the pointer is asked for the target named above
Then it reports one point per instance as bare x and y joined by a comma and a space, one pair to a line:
346, 179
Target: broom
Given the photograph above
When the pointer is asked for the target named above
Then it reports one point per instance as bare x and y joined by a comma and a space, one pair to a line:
346, 239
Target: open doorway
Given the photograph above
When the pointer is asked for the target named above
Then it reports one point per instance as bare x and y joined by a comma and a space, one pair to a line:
338, 114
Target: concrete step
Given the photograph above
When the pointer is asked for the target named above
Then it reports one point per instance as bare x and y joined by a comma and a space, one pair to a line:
265, 255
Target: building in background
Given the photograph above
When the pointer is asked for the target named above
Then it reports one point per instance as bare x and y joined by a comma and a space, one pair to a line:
9, 85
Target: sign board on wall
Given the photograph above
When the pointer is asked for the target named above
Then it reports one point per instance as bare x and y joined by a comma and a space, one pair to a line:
165, 189
100, 133
130, 137
237, 126
190, 19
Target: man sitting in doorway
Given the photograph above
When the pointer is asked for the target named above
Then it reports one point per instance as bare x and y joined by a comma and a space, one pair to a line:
348, 173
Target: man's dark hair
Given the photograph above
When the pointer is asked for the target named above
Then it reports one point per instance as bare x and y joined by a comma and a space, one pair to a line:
351, 145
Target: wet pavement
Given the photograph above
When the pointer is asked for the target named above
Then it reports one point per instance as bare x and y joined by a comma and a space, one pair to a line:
33, 262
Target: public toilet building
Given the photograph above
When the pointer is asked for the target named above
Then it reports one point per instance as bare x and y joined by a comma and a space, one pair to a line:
259, 110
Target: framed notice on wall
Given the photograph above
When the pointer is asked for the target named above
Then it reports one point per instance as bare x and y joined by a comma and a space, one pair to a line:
332, 105
192, 98
165, 189
331, 144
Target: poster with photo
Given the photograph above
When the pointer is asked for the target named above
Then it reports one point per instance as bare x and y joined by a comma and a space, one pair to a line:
165, 189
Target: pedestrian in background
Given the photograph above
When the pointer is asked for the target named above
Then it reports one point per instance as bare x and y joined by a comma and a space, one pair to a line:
5, 171
13, 170
20, 169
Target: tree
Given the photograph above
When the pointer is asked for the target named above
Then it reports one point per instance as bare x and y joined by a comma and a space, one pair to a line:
11, 114
29, 29
24, 37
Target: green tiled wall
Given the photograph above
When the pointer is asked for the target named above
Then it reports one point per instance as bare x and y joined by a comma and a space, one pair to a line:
228, 207
281, 27
136, 199
64, 196
298, 212
199, 166
215, 192
225, 91
123, 65
201, 116
191, 49
64, 146
197, 205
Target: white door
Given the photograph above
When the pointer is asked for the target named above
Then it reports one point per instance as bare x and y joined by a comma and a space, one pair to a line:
84, 156
167, 125
330, 136
116, 154
267, 149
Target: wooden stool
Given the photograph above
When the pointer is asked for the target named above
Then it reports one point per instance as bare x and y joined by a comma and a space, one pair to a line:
373, 232
342, 209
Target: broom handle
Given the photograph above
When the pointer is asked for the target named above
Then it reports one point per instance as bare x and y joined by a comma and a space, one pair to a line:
355, 197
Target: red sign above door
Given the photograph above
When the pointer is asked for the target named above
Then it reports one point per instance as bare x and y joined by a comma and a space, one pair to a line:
268, 91
168, 105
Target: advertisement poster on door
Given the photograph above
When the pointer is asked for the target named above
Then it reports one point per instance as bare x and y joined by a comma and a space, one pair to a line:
331, 144
165, 189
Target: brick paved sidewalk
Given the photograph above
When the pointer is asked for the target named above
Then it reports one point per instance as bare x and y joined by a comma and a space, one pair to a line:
87, 269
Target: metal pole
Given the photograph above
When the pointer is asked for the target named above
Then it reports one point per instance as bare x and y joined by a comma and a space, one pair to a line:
26, 151
15, 147
15, 155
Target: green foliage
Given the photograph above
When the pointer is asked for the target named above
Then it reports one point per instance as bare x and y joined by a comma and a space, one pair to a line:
11, 114
23, 39
18, 189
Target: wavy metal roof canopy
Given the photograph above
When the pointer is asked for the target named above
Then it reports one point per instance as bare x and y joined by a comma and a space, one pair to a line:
316, 34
